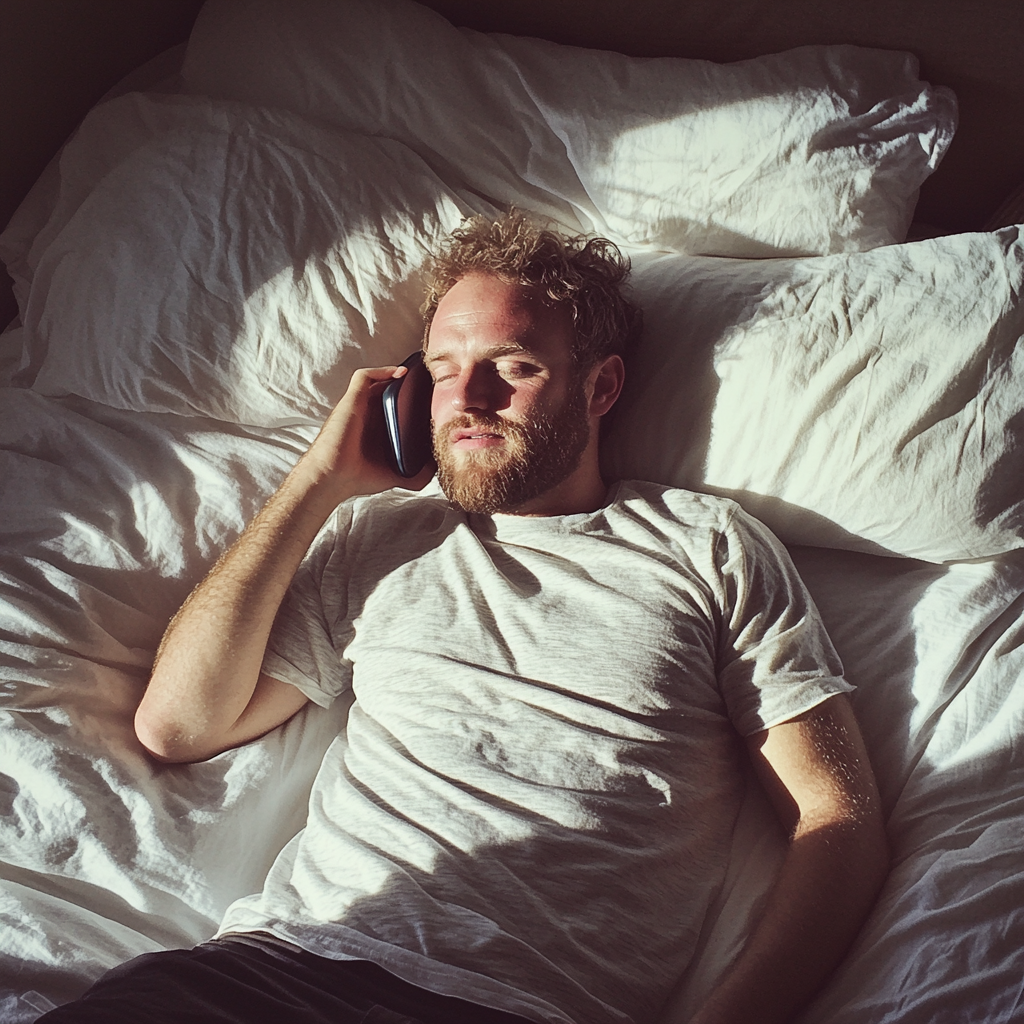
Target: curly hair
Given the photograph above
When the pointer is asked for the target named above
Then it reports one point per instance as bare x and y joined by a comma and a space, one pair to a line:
586, 274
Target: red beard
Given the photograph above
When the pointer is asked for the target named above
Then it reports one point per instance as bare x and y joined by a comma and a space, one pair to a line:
538, 454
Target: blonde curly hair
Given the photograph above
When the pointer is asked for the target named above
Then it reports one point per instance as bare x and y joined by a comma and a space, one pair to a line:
586, 274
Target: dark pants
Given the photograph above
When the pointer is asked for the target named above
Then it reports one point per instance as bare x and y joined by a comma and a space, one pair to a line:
226, 982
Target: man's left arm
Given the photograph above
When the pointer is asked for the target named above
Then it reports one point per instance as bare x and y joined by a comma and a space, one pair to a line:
815, 769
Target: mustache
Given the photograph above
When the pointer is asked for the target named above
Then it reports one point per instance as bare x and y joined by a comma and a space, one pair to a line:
483, 421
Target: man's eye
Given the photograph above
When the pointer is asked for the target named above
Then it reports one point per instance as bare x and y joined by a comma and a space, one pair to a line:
517, 370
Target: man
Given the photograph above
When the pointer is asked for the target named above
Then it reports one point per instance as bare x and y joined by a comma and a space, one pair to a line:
530, 809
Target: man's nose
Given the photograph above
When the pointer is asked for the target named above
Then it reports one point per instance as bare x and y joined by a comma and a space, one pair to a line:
475, 390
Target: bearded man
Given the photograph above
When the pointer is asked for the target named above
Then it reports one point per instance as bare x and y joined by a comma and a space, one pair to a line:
554, 679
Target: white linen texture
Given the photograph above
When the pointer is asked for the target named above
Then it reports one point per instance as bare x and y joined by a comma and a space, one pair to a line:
867, 400
236, 263
816, 150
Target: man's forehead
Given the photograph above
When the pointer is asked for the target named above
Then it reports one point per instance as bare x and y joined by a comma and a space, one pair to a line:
485, 308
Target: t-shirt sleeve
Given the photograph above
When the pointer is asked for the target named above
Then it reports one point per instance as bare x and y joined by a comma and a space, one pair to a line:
302, 649
775, 659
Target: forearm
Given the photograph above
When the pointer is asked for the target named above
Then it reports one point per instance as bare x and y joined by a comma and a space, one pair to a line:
816, 772
208, 664
826, 887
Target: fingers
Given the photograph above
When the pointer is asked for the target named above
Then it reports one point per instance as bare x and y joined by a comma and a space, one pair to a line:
352, 444
361, 387
366, 376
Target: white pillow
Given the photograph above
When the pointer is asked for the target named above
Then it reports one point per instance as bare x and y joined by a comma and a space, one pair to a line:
239, 264
872, 401
817, 150
230, 262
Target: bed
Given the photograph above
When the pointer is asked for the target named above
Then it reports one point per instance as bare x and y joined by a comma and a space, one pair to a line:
243, 222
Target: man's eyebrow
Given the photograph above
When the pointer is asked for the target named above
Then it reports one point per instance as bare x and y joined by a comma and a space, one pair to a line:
492, 353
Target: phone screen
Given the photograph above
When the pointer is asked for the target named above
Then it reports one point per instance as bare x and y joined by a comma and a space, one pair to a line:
407, 415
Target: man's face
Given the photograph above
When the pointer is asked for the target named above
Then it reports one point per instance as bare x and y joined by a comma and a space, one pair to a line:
509, 409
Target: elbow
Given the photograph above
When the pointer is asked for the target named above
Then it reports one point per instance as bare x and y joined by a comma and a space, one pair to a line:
162, 741
857, 848
865, 849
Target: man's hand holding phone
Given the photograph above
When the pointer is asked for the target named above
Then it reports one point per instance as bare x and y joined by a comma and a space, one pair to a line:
352, 453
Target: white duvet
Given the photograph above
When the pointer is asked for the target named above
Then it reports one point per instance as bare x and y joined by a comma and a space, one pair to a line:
171, 365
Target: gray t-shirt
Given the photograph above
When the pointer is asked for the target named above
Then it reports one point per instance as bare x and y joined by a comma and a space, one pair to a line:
532, 803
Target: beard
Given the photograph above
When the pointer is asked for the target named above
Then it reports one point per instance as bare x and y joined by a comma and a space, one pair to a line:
538, 454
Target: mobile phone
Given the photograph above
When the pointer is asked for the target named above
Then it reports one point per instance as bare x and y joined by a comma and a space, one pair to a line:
407, 415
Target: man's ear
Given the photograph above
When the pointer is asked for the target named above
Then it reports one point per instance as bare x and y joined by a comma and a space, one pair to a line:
608, 377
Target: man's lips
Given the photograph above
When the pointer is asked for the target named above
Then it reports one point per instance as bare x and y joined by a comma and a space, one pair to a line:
476, 437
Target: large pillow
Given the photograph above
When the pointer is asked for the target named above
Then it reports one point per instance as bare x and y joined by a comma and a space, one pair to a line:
872, 401
228, 262
817, 150
239, 263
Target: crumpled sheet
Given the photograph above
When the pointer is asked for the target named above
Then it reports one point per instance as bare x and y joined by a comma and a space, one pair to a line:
108, 518
108, 521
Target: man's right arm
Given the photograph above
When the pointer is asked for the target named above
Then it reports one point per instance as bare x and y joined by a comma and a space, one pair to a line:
207, 692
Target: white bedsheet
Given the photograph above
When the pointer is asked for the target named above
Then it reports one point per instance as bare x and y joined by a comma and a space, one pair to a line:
109, 517
108, 520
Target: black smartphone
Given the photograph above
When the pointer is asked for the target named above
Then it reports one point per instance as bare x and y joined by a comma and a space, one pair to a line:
407, 415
